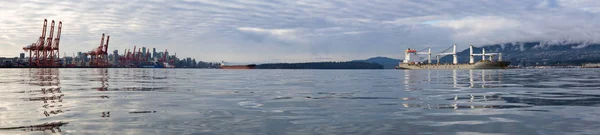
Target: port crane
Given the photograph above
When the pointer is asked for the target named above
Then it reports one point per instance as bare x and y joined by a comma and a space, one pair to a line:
129, 58
99, 56
44, 53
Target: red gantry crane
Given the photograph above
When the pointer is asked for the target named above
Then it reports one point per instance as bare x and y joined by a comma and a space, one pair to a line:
137, 58
164, 57
166, 63
99, 56
44, 53
129, 58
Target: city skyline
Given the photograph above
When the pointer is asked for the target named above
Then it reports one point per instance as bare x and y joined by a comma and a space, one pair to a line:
295, 31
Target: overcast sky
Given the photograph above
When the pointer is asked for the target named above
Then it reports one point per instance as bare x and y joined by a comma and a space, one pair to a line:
293, 31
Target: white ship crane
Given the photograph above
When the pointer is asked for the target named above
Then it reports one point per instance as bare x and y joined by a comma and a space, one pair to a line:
444, 53
409, 52
482, 54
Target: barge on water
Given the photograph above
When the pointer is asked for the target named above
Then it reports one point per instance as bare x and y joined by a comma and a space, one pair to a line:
485, 63
249, 66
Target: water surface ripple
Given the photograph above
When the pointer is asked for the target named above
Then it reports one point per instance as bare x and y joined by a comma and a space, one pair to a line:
277, 102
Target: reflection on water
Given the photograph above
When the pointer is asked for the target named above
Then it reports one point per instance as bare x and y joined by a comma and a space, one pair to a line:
53, 127
46, 94
485, 79
50, 95
475, 78
187, 101
103, 79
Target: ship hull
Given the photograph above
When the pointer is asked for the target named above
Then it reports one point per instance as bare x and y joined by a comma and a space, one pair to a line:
239, 67
478, 65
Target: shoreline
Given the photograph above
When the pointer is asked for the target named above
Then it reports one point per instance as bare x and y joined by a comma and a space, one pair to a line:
104, 67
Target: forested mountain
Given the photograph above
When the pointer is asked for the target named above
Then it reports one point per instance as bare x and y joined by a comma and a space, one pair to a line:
388, 63
321, 65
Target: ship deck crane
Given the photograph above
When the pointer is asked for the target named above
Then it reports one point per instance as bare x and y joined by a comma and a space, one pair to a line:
483, 54
408, 52
444, 53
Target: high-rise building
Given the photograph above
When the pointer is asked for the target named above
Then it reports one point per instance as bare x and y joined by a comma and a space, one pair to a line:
22, 56
81, 57
188, 61
153, 52
111, 57
116, 55
144, 50
167, 54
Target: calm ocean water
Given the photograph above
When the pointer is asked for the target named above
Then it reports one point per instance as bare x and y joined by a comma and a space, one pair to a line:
276, 102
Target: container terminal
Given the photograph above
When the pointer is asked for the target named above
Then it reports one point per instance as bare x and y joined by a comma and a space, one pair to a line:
44, 53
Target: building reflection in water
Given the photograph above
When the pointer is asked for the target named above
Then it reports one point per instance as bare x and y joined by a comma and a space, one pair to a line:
48, 94
53, 127
102, 74
101, 77
51, 95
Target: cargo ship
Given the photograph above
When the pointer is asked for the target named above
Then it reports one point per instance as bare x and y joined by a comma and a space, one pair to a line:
487, 60
249, 66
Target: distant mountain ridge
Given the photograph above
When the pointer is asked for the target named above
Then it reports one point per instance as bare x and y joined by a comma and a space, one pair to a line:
538, 53
388, 63
321, 65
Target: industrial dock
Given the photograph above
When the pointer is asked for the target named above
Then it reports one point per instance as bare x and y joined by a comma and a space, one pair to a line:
44, 53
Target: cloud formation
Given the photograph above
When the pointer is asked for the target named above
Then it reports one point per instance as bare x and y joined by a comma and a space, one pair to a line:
292, 31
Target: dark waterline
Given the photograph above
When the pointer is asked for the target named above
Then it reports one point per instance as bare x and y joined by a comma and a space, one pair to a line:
205, 101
